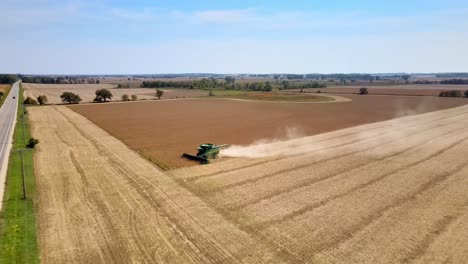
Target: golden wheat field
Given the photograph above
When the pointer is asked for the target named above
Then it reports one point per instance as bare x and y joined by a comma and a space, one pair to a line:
387, 192
4, 87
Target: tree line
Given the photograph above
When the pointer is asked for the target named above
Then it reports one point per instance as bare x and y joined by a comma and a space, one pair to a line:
453, 93
229, 83
453, 75
102, 96
316, 76
454, 81
58, 80
8, 78
204, 83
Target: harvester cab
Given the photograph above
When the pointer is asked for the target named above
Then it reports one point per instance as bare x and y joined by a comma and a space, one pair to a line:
206, 152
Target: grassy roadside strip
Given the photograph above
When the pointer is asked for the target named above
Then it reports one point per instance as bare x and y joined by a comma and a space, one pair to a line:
18, 241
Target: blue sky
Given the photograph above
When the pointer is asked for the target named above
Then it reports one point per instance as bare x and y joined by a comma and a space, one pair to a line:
103, 37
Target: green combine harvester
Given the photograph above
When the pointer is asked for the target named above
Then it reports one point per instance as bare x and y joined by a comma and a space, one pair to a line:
206, 152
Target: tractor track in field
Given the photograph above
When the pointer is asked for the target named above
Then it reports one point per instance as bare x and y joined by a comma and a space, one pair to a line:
315, 181
254, 164
440, 227
142, 190
391, 192
356, 188
307, 165
399, 202
201, 191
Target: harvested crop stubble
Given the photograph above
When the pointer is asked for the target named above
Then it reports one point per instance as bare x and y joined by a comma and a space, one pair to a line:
4, 87
388, 192
85, 91
100, 202
350, 157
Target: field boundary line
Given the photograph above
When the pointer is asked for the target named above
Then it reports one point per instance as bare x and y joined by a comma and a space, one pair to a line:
267, 160
307, 165
320, 151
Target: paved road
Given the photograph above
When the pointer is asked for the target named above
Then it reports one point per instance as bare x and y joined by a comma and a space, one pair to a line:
7, 124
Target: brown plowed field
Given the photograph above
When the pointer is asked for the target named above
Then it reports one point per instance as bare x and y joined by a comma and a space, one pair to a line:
163, 130
409, 89
387, 192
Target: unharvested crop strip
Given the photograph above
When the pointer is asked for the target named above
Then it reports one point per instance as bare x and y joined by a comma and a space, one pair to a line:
306, 165
191, 179
314, 181
252, 229
438, 229
376, 215
314, 206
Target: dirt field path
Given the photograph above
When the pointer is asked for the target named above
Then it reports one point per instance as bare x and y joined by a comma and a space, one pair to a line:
387, 192
336, 99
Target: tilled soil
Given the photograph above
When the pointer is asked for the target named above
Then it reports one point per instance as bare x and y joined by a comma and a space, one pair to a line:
407, 90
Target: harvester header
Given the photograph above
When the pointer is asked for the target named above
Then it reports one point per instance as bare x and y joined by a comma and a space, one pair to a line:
206, 152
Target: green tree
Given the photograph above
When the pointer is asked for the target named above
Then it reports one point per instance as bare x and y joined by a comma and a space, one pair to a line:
42, 99
159, 93
7, 78
32, 143
134, 97
363, 91
268, 87
123, 85
229, 79
406, 77
466, 93
30, 101
102, 95
451, 93
125, 97
70, 98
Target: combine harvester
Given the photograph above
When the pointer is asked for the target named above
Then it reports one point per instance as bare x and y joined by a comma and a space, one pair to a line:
206, 152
